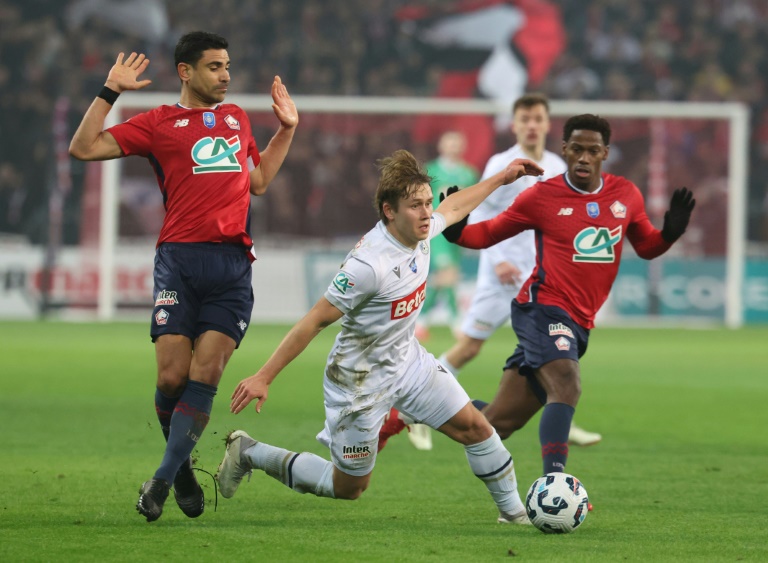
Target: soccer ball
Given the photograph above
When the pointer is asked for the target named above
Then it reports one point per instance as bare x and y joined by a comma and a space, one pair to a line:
557, 503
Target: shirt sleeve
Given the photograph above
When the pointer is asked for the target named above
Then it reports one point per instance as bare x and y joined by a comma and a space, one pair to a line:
644, 237
354, 284
135, 135
437, 225
518, 217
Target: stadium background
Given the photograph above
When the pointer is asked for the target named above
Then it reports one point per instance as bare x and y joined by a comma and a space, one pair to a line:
55, 55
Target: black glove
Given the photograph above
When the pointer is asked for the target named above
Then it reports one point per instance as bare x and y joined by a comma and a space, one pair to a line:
676, 219
453, 232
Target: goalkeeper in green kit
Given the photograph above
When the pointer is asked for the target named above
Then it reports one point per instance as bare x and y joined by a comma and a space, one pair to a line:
448, 169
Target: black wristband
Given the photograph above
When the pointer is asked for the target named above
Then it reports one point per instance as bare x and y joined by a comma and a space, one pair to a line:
108, 95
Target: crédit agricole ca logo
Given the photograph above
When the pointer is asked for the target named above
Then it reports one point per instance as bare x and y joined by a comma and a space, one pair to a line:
216, 155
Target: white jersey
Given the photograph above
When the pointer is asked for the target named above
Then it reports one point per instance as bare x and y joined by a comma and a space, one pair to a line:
380, 289
518, 250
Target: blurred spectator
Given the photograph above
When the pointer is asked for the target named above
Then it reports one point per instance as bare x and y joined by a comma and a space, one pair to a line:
709, 50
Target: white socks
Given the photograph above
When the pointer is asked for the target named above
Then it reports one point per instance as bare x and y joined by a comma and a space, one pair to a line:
491, 463
304, 472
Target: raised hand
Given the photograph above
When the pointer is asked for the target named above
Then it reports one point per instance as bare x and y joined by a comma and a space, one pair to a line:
452, 233
521, 167
124, 74
283, 105
676, 219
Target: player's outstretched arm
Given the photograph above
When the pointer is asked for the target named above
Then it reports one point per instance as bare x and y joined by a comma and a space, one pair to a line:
90, 141
273, 156
322, 314
676, 219
459, 203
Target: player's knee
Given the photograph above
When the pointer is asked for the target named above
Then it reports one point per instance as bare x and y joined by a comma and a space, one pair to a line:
478, 430
350, 492
171, 382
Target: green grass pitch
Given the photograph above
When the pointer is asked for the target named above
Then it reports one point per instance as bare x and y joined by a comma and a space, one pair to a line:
681, 474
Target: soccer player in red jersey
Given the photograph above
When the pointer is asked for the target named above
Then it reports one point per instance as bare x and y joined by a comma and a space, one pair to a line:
580, 220
200, 150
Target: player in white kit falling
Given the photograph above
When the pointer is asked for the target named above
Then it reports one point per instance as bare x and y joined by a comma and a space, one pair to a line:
376, 362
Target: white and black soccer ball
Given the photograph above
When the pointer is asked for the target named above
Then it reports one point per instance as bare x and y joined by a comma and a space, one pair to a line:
557, 503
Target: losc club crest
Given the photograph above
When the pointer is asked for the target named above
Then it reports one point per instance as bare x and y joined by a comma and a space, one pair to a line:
161, 317
619, 210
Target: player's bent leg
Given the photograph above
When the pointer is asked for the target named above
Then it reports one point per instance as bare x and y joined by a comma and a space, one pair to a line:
513, 405
561, 381
464, 350
173, 354
349, 487
302, 472
489, 461
192, 412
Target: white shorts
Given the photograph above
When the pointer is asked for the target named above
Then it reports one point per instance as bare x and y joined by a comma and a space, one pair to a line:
491, 307
427, 393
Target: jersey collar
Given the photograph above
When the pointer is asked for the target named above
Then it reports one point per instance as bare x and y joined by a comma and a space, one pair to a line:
575, 189
217, 106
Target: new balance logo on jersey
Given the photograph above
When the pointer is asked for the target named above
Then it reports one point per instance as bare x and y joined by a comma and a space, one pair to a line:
596, 244
216, 155
566, 211
410, 303
181, 123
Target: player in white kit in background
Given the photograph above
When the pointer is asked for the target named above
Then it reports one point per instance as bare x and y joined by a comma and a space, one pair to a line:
376, 363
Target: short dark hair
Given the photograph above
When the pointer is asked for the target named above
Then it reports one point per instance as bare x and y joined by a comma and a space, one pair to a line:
190, 46
530, 100
589, 122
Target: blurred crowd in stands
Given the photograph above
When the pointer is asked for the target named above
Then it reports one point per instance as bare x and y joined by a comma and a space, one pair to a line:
55, 55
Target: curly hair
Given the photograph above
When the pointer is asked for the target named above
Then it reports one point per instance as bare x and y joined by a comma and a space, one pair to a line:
588, 122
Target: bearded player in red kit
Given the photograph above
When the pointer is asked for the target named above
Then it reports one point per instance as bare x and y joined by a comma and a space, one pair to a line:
200, 150
580, 220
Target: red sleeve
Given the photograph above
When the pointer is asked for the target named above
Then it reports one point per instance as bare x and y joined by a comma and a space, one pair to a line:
644, 237
135, 135
515, 219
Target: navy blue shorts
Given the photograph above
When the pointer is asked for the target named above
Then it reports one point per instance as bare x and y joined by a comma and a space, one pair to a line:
202, 286
544, 333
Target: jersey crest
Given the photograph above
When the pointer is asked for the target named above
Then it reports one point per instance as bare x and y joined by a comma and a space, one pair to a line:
596, 244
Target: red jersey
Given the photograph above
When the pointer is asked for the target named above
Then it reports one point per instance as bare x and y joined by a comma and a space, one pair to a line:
579, 239
200, 158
